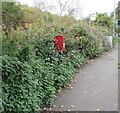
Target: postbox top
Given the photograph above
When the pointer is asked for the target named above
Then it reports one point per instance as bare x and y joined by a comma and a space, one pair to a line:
61, 36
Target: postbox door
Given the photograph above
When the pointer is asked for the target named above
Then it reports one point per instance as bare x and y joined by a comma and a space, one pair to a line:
60, 43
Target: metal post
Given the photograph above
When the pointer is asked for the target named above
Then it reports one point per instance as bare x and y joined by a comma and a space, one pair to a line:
90, 27
114, 20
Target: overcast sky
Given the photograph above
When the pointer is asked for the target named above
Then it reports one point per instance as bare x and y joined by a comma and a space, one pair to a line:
84, 7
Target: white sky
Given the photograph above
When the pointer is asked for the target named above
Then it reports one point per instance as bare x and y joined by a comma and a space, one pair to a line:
84, 7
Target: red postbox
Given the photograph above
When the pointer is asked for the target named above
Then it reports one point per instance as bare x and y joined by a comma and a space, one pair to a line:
60, 42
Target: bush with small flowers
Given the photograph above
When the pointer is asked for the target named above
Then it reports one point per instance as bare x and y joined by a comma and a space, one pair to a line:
33, 70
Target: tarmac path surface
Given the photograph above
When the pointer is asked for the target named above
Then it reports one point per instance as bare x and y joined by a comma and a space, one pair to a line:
95, 87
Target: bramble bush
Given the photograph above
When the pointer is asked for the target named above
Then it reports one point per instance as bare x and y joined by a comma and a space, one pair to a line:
33, 71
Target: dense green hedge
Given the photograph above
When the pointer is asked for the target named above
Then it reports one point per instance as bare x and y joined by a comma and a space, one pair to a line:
26, 86
33, 71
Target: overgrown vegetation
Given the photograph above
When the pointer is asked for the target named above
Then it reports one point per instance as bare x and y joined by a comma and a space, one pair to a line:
33, 71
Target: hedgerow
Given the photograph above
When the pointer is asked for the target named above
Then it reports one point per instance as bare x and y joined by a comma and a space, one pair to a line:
33, 71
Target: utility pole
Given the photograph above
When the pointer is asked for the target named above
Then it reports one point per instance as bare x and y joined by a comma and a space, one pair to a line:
114, 20
90, 26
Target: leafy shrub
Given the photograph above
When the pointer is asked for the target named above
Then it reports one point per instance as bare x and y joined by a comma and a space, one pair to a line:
30, 76
71, 44
26, 53
18, 86
9, 47
90, 46
44, 47
26, 87
76, 58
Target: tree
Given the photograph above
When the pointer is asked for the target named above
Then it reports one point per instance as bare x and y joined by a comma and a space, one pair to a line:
104, 20
118, 11
12, 16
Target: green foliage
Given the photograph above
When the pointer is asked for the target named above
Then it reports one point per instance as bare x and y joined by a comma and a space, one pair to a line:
17, 85
44, 47
76, 58
26, 86
26, 53
90, 46
117, 10
71, 44
12, 16
104, 20
9, 47
33, 71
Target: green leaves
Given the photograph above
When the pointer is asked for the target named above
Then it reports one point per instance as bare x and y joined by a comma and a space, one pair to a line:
12, 16
104, 20
19, 87
33, 71
27, 85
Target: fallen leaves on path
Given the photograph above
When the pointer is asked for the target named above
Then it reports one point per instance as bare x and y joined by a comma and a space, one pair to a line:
72, 106
88, 61
74, 81
40, 109
95, 92
98, 110
98, 91
85, 91
54, 106
55, 96
61, 106
44, 108
71, 87
59, 90
49, 109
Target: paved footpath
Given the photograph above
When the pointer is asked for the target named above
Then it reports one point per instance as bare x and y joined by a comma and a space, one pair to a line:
95, 87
